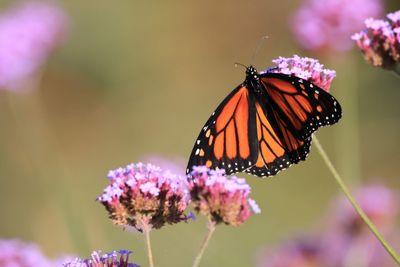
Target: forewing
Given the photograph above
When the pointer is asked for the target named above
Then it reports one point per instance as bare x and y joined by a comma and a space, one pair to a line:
303, 106
228, 140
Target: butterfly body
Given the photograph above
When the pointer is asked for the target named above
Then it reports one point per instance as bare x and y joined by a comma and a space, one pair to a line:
264, 125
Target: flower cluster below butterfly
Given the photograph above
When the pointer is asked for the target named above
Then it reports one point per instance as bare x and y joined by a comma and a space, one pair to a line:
264, 125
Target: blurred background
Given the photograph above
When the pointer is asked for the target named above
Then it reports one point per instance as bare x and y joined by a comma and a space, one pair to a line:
128, 80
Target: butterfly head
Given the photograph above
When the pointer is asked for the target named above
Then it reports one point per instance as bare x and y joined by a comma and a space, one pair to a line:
251, 74
251, 71
252, 77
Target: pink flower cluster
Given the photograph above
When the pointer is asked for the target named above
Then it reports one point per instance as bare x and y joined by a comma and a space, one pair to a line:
221, 198
380, 41
28, 33
105, 260
297, 253
320, 25
142, 194
378, 202
306, 68
18, 253
346, 240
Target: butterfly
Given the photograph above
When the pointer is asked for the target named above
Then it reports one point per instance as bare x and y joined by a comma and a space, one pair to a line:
264, 125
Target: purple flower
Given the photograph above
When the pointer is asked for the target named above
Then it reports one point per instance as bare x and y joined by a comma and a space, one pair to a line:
394, 18
17, 253
63, 260
221, 198
175, 164
298, 253
142, 194
348, 241
379, 203
380, 41
28, 33
306, 68
320, 25
114, 259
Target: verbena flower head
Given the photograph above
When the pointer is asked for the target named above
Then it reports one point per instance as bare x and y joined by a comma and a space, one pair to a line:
348, 238
17, 253
142, 194
380, 41
320, 25
223, 199
306, 68
297, 253
114, 259
28, 33
379, 203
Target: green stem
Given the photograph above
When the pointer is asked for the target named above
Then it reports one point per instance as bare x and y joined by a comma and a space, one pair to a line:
353, 202
146, 231
211, 228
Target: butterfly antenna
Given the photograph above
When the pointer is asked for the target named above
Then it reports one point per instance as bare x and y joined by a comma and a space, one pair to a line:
240, 64
260, 43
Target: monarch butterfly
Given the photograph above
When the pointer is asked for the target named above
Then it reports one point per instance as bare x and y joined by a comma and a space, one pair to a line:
264, 125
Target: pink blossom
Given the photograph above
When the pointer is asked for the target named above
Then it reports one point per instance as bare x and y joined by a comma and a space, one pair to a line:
297, 253
320, 25
143, 193
175, 164
379, 203
380, 41
348, 241
114, 259
306, 68
18, 253
394, 18
28, 33
221, 198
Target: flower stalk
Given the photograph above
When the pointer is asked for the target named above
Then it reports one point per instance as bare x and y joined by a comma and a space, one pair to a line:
354, 203
146, 231
211, 228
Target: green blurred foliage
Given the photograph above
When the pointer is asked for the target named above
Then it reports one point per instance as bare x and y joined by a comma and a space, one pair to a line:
141, 77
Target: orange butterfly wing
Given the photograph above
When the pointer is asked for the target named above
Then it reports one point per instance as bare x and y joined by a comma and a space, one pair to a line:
302, 105
289, 111
278, 146
264, 125
228, 139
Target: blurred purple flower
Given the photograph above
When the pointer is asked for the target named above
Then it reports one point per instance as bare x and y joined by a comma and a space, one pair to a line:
306, 68
380, 41
379, 203
347, 240
320, 25
142, 195
114, 259
15, 253
28, 33
63, 260
298, 253
221, 198
174, 164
